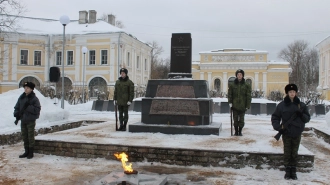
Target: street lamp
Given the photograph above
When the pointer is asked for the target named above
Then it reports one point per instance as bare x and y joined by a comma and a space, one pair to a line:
84, 51
64, 19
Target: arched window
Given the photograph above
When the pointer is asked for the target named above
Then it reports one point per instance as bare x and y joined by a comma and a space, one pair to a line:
97, 86
231, 80
249, 81
217, 84
67, 85
30, 79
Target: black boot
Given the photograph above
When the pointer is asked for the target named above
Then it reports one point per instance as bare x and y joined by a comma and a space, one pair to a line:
25, 153
236, 131
124, 127
287, 175
30, 155
121, 126
240, 131
294, 173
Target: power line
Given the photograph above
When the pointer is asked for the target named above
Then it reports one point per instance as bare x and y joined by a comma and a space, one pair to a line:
144, 25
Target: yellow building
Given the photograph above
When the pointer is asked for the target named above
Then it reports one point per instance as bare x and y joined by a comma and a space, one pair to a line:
324, 67
218, 67
28, 53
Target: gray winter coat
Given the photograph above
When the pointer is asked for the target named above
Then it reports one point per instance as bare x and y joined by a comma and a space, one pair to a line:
285, 110
32, 111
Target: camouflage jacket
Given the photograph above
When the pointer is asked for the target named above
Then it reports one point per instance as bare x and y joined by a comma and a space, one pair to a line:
239, 94
124, 91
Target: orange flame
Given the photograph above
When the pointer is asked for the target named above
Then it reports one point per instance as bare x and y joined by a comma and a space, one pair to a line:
191, 123
123, 158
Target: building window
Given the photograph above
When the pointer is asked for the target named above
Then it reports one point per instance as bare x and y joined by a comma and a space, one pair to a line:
138, 62
145, 64
249, 81
104, 56
24, 57
231, 80
127, 58
58, 58
217, 84
261, 57
70, 57
91, 57
37, 58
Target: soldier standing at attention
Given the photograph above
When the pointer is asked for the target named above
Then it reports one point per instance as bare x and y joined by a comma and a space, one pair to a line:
123, 97
27, 109
291, 136
239, 99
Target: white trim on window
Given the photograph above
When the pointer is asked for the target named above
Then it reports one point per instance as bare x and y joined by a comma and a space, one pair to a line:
27, 57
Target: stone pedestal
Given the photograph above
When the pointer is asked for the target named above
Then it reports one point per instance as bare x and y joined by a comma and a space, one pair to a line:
177, 107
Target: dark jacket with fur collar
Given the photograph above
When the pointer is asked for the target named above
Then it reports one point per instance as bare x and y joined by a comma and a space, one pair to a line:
32, 111
285, 110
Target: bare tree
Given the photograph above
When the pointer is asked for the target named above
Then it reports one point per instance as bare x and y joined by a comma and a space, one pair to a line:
157, 50
10, 12
304, 63
120, 24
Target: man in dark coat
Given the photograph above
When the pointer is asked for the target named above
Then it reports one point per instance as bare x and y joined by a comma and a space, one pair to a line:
239, 99
27, 109
292, 135
123, 97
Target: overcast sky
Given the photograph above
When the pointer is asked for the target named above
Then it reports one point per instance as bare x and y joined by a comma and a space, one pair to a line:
267, 25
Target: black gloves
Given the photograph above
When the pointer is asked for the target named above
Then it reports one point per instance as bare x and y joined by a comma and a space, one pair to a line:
281, 131
299, 113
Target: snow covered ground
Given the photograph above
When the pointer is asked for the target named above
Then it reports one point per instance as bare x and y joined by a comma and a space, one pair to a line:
47, 169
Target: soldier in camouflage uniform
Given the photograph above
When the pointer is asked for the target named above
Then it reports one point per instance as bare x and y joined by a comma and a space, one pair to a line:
123, 97
239, 99
292, 135
27, 109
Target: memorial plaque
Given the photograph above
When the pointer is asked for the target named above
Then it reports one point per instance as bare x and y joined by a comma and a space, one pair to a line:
175, 107
176, 91
181, 53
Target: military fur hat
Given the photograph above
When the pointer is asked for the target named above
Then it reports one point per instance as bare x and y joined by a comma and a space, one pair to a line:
123, 70
239, 71
29, 84
290, 87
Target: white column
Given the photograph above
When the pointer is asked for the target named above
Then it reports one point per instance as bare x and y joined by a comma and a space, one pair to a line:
113, 60
14, 62
256, 80
78, 66
225, 82
326, 72
201, 75
264, 82
209, 78
5, 62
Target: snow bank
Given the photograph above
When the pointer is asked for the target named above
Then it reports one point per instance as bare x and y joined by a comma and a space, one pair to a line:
49, 111
327, 118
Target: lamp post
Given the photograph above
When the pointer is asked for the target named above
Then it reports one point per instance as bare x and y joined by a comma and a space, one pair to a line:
84, 51
64, 19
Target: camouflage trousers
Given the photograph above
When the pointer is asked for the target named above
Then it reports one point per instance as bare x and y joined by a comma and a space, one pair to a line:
291, 147
27, 130
238, 117
123, 113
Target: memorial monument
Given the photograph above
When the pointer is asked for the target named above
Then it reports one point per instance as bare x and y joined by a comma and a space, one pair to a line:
179, 104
